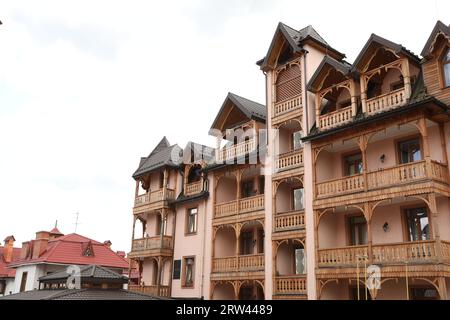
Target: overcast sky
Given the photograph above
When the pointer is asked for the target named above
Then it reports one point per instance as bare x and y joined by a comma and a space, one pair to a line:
88, 87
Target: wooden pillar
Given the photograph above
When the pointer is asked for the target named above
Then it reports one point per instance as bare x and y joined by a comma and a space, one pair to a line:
363, 86
406, 78
435, 225
165, 179
443, 143
362, 143
136, 193
158, 283
238, 186
368, 217
442, 288
132, 234
318, 102
353, 97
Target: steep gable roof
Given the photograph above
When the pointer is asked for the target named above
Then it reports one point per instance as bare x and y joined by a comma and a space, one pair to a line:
160, 156
251, 109
439, 28
374, 40
295, 38
324, 66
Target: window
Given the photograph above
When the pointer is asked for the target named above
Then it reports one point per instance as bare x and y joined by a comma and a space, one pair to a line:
300, 261
298, 195
247, 242
189, 263
358, 230
409, 151
23, 281
353, 164
446, 68
247, 189
2, 286
296, 140
191, 224
424, 294
176, 269
417, 224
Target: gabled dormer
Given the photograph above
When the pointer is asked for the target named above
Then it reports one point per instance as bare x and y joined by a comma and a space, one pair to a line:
387, 71
238, 122
336, 89
436, 62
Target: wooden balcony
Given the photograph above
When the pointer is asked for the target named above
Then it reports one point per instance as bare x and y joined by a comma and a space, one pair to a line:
154, 290
288, 221
335, 118
244, 263
153, 200
193, 188
386, 101
289, 160
403, 174
287, 109
235, 151
149, 247
418, 252
290, 285
239, 207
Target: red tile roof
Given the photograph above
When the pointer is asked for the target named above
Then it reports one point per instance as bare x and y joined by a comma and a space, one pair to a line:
68, 249
6, 272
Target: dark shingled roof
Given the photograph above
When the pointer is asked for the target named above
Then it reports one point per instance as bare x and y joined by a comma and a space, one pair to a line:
160, 156
80, 294
397, 48
87, 274
296, 39
342, 66
439, 28
251, 109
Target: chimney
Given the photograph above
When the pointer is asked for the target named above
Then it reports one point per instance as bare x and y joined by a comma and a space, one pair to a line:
107, 243
25, 249
40, 244
8, 251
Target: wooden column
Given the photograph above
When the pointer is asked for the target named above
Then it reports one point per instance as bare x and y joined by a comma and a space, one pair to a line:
362, 143
238, 186
368, 217
132, 234
363, 86
435, 225
422, 126
442, 288
353, 97
443, 143
136, 193
406, 78
158, 283
165, 177
318, 102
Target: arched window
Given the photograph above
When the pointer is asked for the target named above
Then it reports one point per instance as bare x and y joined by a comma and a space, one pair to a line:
446, 68
288, 83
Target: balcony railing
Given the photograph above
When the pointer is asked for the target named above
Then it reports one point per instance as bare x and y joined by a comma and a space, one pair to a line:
289, 160
345, 256
154, 196
401, 174
193, 188
235, 151
339, 186
386, 101
154, 290
292, 284
335, 118
243, 205
286, 106
250, 262
289, 221
394, 253
152, 243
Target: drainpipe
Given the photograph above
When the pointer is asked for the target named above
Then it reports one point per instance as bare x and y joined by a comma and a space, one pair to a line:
203, 250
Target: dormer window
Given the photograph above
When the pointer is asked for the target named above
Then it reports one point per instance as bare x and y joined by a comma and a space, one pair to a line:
87, 250
446, 68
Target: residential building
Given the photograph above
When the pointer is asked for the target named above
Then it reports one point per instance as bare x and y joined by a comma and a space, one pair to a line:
344, 167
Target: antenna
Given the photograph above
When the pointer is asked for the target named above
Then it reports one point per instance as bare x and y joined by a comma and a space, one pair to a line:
76, 221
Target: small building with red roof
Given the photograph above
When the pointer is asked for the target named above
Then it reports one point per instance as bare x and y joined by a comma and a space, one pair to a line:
52, 251
8, 254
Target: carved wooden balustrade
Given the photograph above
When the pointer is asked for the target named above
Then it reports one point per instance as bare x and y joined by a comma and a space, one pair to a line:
250, 262
289, 221
193, 188
287, 106
289, 160
291, 284
154, 290
235, 151
386, 101
335, 118
240, 206
398, 175
154, 196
